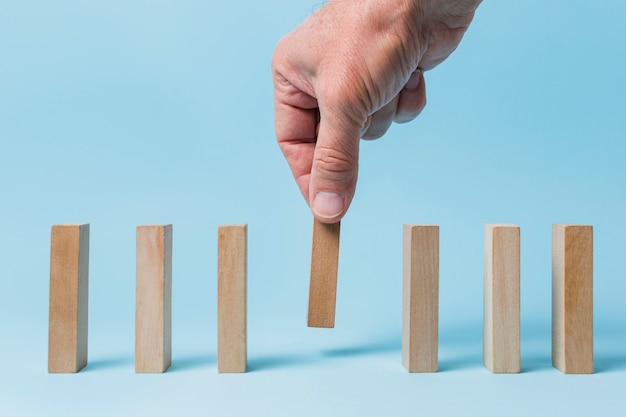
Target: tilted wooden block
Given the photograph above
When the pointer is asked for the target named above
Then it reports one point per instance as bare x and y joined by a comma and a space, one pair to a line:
153, 314
69, 287
231, 298
501, 321
572, 298
323, 282
420, 298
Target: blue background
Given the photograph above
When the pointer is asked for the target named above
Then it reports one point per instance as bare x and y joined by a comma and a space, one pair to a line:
122, 113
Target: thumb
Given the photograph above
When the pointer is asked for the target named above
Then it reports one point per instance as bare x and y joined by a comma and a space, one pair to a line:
335, 166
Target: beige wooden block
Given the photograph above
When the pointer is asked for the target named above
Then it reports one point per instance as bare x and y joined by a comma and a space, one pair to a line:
501, 321
420, 298
323, 282
69, 288
153, 314
231, 298
572, 298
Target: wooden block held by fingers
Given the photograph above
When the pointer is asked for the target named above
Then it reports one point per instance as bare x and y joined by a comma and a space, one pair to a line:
572, 298
231, 298
501, 321
153, 314
420, 298
69, 288
324, 266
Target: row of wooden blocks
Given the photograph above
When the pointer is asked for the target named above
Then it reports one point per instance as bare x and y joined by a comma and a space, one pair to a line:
572, 298
69, 276
572, 314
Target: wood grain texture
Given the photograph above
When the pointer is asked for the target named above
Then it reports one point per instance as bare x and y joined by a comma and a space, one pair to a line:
323, 282
153, 314
420, 298
501, 321
69, 288
572, 298
231, 298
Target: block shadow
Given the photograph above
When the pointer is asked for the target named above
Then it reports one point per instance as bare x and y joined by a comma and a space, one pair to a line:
263, 363
283, 361
460, 346
191, 362
609, 363
456, 363
383, 346
121, 361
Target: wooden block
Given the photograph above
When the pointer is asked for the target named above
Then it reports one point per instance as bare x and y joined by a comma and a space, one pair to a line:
420, 298
572, 298
324, 266
231, 298
69, 288
501, 321
153, 314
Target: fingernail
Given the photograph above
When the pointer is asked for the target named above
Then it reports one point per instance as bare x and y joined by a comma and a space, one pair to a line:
414, 80
328, 205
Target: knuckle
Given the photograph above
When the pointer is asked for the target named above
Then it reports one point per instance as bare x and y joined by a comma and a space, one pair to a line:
334, 163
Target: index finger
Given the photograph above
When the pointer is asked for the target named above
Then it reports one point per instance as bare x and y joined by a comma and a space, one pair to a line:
296, 117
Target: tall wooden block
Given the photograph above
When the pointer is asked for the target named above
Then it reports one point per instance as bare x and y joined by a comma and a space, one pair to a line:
69, 288
501, 321
420, 298
323, 282
153, 314
572, 298
231, 298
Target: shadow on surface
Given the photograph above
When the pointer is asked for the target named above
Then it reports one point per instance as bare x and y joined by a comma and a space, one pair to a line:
460, 346
460, 362
533, 363
273, 362
282, 361
609, 363
187, 363
384, 346
109, 363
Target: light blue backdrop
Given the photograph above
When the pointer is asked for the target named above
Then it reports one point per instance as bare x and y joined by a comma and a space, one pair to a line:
122, 113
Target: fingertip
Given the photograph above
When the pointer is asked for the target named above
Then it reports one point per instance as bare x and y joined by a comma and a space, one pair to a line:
414, 80
412, 98
328, 206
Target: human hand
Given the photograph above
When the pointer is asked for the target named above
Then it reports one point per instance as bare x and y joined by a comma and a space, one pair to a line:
347, 72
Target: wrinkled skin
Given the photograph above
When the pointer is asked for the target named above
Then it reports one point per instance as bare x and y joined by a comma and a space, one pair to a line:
347, 72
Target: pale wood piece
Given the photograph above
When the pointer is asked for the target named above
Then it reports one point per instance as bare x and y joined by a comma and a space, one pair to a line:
420, 298
501, 321
153, 314
323, 282
69, 288
572, 298
231, 298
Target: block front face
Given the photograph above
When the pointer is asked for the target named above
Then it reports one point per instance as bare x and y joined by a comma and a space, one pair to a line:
572, 332
153, 316
69, 278
231, 302
324, 267
420, 297
501, 341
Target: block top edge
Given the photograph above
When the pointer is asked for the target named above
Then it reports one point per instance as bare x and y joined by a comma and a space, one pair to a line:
154, 225
494, 225
70, 225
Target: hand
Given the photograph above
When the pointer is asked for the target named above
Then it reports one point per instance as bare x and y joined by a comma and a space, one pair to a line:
346, 73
